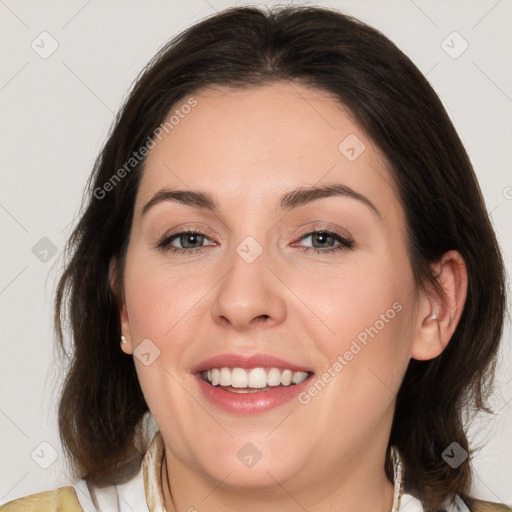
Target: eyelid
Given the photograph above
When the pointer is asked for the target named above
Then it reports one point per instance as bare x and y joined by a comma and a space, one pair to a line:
320, 228
195, 227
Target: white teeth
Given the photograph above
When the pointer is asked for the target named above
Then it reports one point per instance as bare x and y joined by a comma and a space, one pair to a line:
286, 377
298, 377
225, 377
274, 377
239, 378
254, 378
257, 378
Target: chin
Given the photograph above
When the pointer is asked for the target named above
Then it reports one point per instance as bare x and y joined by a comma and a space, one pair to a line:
253, 466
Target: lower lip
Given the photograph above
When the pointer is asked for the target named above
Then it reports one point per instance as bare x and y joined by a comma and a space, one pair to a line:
246, 403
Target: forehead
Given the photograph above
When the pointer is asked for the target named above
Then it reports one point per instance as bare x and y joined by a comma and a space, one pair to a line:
251, 145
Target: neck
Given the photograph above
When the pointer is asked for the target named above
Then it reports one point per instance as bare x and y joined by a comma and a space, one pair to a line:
357, 489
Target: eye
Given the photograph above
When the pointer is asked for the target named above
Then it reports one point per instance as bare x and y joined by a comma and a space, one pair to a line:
324, 240
189, 240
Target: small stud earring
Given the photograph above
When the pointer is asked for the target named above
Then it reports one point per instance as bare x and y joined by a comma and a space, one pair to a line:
123, 339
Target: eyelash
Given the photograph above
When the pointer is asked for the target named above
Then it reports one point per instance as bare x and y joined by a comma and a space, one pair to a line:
346, 243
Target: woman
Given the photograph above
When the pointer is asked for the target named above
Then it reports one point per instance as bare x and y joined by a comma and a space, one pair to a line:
286, 236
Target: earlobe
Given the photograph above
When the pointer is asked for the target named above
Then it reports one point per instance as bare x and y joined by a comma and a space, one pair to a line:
126, 345
439, 313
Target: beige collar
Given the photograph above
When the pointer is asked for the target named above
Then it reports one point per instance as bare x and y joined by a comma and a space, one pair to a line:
152, 470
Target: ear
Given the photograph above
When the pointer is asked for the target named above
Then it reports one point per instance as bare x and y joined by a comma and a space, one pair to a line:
439, 315
127, 347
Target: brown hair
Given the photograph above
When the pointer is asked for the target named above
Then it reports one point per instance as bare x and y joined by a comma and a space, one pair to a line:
102, 406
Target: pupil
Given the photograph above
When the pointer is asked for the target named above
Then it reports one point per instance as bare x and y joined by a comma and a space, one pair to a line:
189, 239
321, 237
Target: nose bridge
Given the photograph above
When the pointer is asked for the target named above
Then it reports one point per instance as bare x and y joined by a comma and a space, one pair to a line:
248, 291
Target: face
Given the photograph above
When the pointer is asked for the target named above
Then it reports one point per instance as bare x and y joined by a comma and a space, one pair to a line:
314, 286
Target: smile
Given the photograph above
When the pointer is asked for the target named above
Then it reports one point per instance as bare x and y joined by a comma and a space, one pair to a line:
252, 383
250, 379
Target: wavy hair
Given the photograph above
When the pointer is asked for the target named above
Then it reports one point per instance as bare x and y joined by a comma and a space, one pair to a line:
102, 407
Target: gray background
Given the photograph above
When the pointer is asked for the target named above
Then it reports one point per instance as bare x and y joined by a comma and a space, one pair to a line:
56, 112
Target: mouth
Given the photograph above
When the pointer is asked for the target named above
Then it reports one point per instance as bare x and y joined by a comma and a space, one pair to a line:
255, 383
253, 380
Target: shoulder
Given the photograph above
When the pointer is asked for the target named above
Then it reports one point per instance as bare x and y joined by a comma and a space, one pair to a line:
486, 506
83, 496
63, 499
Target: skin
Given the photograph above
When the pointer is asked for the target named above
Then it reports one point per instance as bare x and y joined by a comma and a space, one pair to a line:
248, 147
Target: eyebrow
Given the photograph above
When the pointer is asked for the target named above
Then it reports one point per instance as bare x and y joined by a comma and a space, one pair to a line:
293, 199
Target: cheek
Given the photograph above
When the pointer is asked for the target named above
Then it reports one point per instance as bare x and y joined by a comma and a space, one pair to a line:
161, 300
365, 356
366, 332
360, 297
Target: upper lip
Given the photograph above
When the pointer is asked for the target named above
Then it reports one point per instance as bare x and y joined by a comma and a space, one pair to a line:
247, 361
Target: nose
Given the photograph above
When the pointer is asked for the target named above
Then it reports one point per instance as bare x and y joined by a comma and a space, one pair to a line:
249, 294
